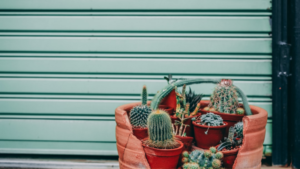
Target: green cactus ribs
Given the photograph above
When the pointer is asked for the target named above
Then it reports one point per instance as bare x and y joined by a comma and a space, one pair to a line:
139, 114
160, 131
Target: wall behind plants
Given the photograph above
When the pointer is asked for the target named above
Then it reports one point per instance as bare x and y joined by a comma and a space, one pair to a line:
66, 65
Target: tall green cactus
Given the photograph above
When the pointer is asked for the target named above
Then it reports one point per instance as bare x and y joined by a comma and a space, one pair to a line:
160, 131
139, 114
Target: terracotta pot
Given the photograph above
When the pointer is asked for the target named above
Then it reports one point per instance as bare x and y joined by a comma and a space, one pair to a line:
189, 130
213, 137
187, 142
132, 154
231, 119
163, 158
167, 109
140, 133
229, 157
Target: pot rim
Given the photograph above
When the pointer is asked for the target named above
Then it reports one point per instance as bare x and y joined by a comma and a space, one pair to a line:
210, 127
217, 112
164, 150
186, 137
172, 117
229, 152
139, 128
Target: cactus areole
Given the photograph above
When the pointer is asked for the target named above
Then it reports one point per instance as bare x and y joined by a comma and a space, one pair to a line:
167, 89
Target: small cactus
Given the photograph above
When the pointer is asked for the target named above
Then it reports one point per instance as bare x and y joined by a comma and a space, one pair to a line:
191, 165
240, 111
185, 154
209, 159
139, 114
160, 131
239, 129
211, 119
225, 98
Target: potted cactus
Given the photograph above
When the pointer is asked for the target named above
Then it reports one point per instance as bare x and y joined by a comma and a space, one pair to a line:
187, 105
231, 145
138, 117
161, 148
209, 130
224, 102
209, 159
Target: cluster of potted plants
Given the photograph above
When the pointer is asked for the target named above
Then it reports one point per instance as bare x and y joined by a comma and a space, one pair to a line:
167, 132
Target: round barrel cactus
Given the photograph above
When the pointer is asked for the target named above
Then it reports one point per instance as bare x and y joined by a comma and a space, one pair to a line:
224, 98
160, 131
139, 114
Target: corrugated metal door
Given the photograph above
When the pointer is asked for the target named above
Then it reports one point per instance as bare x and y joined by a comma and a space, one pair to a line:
66, 65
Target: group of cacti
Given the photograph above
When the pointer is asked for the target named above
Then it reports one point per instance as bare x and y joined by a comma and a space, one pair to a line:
224, 99
208, 159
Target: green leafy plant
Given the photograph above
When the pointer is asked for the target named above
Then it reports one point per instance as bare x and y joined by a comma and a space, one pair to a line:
193, 99
211, 119
139, 114
160, 131
225, 98
209, 159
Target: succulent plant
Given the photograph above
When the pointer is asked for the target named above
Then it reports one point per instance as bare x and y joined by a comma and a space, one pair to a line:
224, 98
209, 159
232, 142
191, 165
239, 129
193, 99
160, 131
139, 114
211, 119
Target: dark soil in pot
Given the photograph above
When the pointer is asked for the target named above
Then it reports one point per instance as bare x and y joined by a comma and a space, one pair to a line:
187, 142
163, 158
231, 119
229, 157
213, 137
189, 130
140, 133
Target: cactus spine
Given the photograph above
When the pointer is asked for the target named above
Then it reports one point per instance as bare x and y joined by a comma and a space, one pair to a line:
160, 131
139, 114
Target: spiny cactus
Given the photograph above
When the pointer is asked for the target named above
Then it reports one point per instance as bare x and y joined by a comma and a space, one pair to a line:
239, 129
211, 119
191, 165
209, 159
160, 131
193, 99
224, 98
139, 114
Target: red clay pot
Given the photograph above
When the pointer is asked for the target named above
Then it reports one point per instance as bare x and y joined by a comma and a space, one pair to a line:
187, 142
189, 130
140, 133
214, 136
163, 158
231, 119
167, 109
229, 157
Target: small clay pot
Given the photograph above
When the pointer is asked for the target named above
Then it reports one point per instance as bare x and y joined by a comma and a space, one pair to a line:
166, 109
229, 157
189, 129
213, 137
163, 158
231, 119
187, 142
140, 133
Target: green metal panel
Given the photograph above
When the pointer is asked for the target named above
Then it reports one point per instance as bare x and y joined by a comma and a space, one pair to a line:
66, 65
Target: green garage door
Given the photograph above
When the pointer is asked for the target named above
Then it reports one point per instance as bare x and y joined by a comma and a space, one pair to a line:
66, 65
